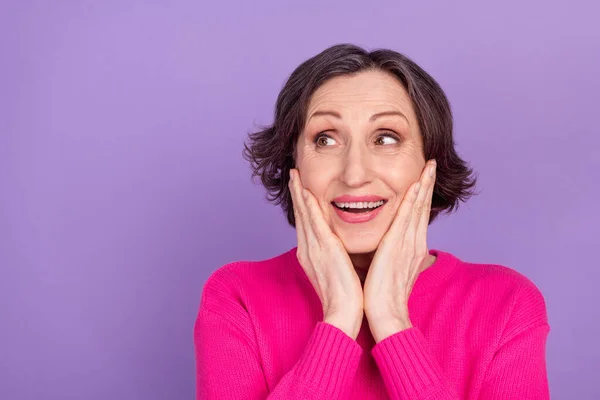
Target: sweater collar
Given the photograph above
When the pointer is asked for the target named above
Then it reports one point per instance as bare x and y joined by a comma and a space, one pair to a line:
437, 272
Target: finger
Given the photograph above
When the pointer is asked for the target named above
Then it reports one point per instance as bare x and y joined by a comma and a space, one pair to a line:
419, 211
316, 218
405, 211
420, 205
302, 232
416, 212
302, 208
421, 233
300, 229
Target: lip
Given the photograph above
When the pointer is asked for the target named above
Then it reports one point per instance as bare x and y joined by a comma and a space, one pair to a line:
357, 218
349, 199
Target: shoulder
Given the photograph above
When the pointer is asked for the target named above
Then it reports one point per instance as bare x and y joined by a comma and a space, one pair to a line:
497, 278
240, 280
509, 292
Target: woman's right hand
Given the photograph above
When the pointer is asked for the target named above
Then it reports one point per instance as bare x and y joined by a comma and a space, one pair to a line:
326, 263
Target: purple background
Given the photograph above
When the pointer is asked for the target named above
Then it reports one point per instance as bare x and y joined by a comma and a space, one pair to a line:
123, 186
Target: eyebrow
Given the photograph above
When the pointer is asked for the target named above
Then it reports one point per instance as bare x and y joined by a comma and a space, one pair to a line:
373, 117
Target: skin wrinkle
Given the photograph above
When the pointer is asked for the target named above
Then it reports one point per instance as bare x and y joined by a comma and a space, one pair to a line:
373, 117
352, 163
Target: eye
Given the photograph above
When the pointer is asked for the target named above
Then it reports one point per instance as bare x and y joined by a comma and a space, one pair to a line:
386, 138
322, 140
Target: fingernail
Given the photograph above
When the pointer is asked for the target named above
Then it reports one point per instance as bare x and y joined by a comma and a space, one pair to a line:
432, 169
417, 187
291, 175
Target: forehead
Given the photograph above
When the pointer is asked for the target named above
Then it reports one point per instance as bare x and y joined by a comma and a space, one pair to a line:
365, 90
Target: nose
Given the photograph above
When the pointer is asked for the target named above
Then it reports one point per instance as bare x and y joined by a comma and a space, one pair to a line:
356, 167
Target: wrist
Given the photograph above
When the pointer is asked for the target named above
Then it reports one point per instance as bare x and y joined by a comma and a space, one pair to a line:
348, 324
385, 328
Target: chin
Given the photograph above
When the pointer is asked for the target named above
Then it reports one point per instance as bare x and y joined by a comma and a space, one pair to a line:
360, 243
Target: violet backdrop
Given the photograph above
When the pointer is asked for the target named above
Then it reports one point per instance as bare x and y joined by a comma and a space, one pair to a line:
123, 186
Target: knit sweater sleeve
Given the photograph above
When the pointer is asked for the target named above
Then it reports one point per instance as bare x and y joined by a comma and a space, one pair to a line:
516, 371
228, 362
518, 368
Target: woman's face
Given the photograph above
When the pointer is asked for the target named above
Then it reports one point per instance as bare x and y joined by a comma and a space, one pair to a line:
361, 147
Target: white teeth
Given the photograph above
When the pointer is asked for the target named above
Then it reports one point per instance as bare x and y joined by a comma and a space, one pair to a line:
364, 204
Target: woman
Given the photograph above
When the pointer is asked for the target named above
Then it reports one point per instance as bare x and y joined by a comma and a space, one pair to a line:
361, 158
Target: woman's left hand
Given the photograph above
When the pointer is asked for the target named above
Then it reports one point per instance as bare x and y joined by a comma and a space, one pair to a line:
399, 259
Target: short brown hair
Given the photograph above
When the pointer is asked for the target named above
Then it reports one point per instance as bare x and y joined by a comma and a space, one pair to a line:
271, 149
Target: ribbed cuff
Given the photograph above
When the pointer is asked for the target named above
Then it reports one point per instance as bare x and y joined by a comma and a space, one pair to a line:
330, 361
408, 366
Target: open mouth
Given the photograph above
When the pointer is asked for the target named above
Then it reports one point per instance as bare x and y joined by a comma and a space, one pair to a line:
359, 207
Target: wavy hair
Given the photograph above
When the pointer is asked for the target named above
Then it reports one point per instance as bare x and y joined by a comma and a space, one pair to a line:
271, 149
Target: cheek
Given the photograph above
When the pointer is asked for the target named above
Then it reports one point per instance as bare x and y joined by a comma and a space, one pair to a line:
398, 178
312, 175
316, 175
400, 181
399, 173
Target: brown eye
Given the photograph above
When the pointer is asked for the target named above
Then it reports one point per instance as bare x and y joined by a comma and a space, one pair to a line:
386, 139
324, 141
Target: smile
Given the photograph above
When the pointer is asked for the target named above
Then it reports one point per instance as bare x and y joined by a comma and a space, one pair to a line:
358, 207
355, 209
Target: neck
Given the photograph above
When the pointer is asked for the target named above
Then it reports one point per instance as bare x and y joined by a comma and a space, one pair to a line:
361, 263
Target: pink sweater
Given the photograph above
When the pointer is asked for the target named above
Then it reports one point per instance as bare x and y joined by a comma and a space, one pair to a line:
479, 332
